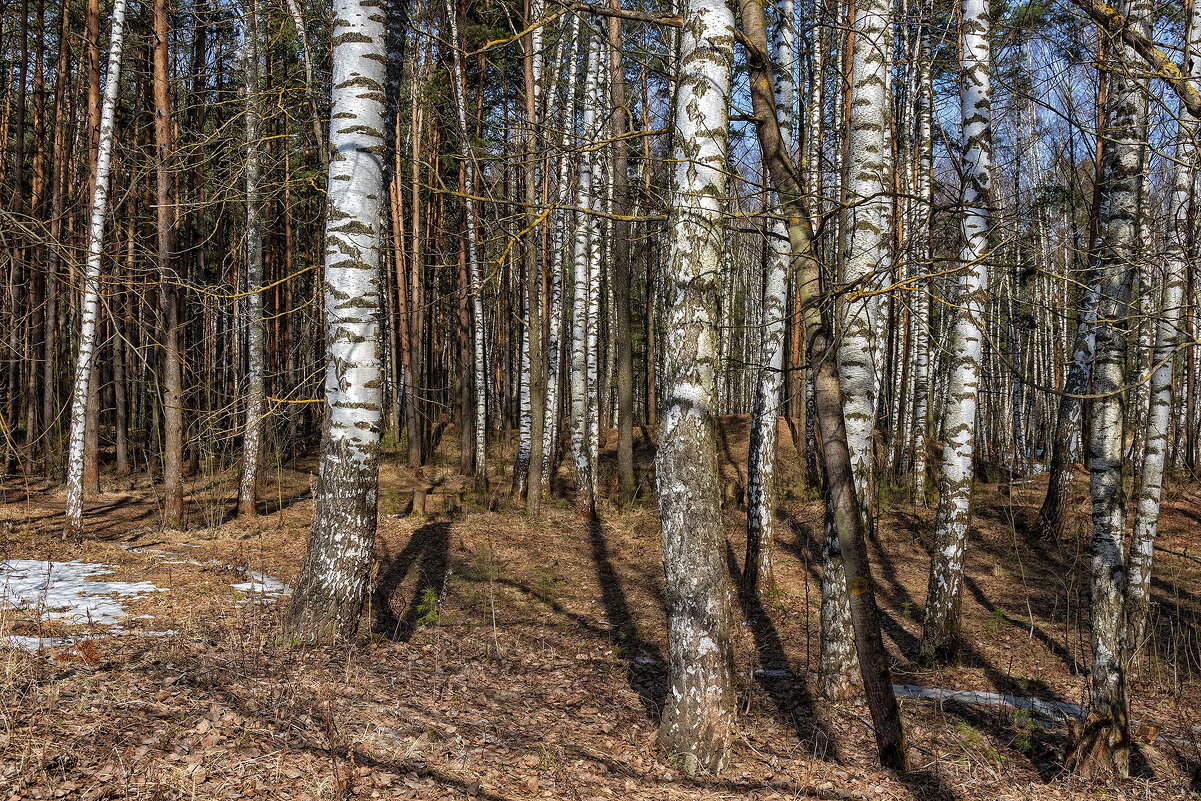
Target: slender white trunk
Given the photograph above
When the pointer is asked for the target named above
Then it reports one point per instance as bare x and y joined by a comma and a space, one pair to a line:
89, 302
252, 438
586, 280
559, 244
479, 379
1105, 743
920, 237
332, 585
761, 484
699, 714
1168, 335
940, 640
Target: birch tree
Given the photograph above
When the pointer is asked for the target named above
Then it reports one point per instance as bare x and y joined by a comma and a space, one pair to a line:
699, 714
761, 482
1169, 332
586, 286
332, 585
89, 301
940, 635
252, 438
1105, 742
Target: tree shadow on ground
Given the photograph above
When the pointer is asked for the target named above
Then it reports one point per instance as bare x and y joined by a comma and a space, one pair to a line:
646, 670
429, 550
787, 688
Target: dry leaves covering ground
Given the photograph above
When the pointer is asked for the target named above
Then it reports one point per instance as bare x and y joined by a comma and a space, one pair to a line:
504, 659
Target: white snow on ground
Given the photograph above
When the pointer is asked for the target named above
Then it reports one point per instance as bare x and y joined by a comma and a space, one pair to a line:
262, 584
63, 590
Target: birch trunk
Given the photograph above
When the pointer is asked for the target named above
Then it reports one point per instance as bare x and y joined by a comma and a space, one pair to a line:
252, 438
1105, 742
479, 380
332, 585
867, 261
698, 718
89, 302
585, 283
1168, 336
761, 482
940, 635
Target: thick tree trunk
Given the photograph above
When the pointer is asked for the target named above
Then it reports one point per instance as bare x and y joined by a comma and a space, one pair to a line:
332, 585
171, 355
699, 716
940, 634
1105, 742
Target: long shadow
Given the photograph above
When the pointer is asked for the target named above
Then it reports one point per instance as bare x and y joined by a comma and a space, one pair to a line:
646, 670
787, 690
1049, 642
429, 545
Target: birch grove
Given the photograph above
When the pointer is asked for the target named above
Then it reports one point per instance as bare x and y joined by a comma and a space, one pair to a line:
764, 347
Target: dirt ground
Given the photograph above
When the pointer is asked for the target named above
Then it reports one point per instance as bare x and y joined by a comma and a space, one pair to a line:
505, 658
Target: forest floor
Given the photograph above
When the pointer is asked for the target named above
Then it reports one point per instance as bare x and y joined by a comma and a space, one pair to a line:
509, 659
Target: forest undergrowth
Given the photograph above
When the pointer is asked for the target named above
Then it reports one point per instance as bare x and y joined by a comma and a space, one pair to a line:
517, 659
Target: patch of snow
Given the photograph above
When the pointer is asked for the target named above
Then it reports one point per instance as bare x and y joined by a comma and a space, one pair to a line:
64, 590
261, 584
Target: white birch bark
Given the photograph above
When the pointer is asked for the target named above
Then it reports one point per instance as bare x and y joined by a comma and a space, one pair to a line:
867, 261
940, 639
1169, 331
89, 302
560, 223
479, 380
332, 585
306, 60
699, 713
585, 282
252, 437
761, 484
920, 236
1104, 746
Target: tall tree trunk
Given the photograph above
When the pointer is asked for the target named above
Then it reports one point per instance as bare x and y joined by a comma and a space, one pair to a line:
586, 278
89, 302
479, 388
940, 635
256, 402
843, 510
1168, 328
171, 355
699, 716
761, 481
332, 585
1105, 742
619, 125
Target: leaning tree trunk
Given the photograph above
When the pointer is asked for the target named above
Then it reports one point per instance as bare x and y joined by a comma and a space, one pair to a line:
940, 634
1105, 742
89, 302
1168, 329
844, 515
698, 718
252, 437
332, 585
